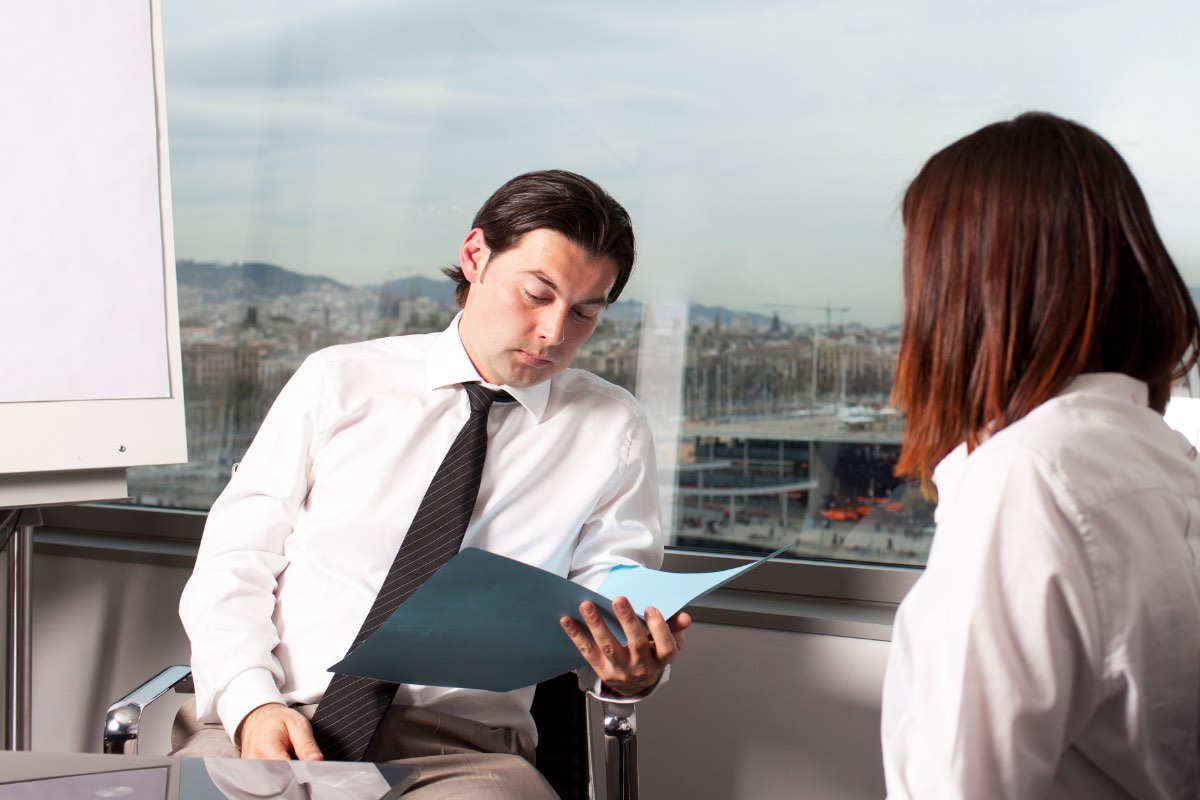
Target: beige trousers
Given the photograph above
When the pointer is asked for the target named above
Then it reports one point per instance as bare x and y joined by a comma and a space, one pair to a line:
458, 758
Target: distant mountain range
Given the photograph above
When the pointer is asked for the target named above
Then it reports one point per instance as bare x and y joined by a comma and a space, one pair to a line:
266, 279
270, 280
440, 290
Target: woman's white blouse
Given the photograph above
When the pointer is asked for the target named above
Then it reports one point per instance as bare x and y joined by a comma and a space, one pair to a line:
1052, 647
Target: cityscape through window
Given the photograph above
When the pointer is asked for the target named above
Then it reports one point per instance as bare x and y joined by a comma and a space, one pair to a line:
327, 158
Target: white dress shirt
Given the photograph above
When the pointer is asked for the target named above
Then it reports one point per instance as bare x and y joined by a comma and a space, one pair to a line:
299, 542
1052, 647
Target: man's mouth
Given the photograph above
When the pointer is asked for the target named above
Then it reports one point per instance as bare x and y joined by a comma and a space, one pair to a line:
533, 360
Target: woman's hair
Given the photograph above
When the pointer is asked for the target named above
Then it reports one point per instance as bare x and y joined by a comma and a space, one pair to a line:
1030, 256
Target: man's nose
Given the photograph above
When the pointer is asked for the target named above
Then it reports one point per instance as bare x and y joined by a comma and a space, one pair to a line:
552, 325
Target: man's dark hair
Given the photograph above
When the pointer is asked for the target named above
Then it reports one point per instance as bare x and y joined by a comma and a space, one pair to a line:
560, 201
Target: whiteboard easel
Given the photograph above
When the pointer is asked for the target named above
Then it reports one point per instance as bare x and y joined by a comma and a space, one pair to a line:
90, 374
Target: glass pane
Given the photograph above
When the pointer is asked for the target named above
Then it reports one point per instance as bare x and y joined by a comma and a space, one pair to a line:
327, 159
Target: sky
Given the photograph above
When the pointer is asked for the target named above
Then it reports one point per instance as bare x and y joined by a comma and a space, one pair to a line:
761, 147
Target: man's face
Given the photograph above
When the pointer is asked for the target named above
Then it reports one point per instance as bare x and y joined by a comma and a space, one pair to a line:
531, 307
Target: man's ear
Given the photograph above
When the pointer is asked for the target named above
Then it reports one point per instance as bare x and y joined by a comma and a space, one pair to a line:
473, 255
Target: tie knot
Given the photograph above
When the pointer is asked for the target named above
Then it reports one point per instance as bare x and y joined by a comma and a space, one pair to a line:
482, 397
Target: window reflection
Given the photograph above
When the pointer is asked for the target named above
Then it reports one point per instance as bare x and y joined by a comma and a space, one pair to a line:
776, 433
326, 158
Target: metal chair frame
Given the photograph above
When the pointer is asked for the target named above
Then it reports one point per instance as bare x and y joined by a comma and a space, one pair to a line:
122, 726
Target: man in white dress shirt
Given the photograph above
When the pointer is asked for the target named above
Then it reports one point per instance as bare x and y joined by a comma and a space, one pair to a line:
297, 546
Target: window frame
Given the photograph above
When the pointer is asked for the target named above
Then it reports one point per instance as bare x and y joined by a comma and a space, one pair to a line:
849, 599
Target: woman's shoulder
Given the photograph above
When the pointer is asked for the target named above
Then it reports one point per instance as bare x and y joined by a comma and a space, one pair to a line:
1094, 446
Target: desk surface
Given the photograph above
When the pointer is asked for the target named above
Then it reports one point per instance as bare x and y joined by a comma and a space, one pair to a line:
51, 776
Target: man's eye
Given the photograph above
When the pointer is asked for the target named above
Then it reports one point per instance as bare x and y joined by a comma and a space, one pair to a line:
584, 315
535, 298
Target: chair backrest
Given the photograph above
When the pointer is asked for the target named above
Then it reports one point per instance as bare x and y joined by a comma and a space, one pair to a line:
560, 712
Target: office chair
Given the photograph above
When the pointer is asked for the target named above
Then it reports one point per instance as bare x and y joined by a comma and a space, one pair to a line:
560, 711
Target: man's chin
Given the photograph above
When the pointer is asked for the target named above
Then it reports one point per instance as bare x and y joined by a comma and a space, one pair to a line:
522, 376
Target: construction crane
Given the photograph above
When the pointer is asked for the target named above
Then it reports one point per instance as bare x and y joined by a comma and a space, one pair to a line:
828, 308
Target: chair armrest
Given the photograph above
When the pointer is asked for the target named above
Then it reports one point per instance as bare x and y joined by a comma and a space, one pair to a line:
620, 751
125, 716
121, 728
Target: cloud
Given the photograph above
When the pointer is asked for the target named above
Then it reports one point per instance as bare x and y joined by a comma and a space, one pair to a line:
762, 147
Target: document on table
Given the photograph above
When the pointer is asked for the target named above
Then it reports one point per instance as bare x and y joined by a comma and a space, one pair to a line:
484, 621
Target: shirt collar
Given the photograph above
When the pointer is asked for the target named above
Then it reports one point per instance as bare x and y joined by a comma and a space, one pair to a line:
449, 365
1114, 385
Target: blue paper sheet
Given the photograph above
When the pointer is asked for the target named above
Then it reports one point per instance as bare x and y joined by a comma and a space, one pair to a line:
484, 621
668, 592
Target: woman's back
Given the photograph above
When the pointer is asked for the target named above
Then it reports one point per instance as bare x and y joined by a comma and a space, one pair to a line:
1052, 648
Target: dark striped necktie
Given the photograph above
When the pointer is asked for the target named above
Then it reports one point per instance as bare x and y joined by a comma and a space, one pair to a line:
352, 708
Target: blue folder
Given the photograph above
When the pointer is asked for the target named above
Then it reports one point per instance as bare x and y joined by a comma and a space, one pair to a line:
484, 621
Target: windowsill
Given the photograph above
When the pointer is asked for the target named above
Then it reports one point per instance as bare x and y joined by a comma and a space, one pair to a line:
824, 598
818, 615
802, 596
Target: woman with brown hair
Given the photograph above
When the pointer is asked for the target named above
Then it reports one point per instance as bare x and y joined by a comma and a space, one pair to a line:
1052, 647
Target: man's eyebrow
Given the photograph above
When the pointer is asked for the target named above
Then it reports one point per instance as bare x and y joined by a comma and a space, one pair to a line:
544, 278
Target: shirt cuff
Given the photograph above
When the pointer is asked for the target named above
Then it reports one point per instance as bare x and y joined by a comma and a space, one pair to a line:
245, 693
590, 682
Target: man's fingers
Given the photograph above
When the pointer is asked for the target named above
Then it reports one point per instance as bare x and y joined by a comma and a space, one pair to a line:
267, 744
275, 732
666, 641
636, 637
262, 733
608, 644
680, 622
584, 644
636, 666
303, 743
641, 665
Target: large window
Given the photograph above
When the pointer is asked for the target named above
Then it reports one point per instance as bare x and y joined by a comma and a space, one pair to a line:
327, 158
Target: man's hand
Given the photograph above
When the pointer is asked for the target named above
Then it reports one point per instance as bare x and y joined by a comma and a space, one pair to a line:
632, 669
274, 731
